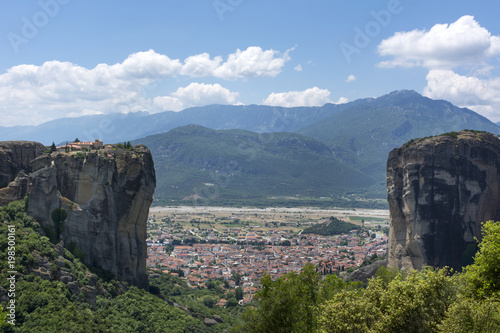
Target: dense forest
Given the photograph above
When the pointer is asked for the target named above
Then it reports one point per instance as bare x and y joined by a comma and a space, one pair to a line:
53, 293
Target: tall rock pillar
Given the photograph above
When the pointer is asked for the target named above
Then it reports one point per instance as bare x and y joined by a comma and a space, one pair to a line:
440, 190
107, 194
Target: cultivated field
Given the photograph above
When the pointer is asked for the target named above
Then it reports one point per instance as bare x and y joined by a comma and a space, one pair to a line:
292, 219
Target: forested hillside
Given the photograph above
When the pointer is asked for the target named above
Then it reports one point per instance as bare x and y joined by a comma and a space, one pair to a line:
54, 292
205, 166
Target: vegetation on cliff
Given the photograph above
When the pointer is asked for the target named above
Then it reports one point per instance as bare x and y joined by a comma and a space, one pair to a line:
55, 291
452, 134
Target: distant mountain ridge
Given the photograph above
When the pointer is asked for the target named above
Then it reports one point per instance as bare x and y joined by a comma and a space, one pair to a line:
356, 136
364, 134
115, 128
201, 165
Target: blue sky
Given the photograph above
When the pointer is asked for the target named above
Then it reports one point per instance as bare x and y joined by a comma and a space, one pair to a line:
66, 58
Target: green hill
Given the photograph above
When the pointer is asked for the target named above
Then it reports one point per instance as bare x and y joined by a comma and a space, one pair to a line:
363, 135
205, 166
332, 227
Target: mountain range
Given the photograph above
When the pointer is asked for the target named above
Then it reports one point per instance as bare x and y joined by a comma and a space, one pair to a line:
255, 151
205, 166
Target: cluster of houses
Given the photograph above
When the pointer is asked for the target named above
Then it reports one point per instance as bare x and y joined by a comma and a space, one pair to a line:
201, 263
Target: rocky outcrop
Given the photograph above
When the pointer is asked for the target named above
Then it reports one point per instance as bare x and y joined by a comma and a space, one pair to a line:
107, 195
15, 157
440, 190
364, 273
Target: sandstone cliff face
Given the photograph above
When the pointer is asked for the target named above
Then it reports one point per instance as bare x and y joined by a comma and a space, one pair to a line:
107, 195
15, 156
440, 190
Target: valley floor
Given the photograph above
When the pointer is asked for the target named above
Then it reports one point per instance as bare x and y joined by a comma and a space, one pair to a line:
207, 243
273, 212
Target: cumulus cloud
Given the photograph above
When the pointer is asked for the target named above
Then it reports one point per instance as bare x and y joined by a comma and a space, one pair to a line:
200, 65
253, 62
444, 46
33, 94
196, 94
444, 50
480, 95
309, 97
341, 100
144, 66
298, 68
30, 94
351, 78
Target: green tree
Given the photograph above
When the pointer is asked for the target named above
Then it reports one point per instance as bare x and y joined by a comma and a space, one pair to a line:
3, 315
169, 248
208, 301
238, 293
285, 305
53, 147
58, 216
348, 312
76, 140
483, 277
176, 291
231, 303
478, 305
472, 316
414, 301
236, 278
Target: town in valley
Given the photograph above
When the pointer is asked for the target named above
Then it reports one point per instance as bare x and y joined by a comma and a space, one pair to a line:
239, 245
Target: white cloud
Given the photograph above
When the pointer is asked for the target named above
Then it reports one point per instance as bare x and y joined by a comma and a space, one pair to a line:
444, 46
342, 100
200, 65
309, 97
253, 62
298, 68
351, 78
147, 66
196, 94
480, 95
30, 94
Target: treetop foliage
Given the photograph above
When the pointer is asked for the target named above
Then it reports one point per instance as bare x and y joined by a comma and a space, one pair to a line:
430, 300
